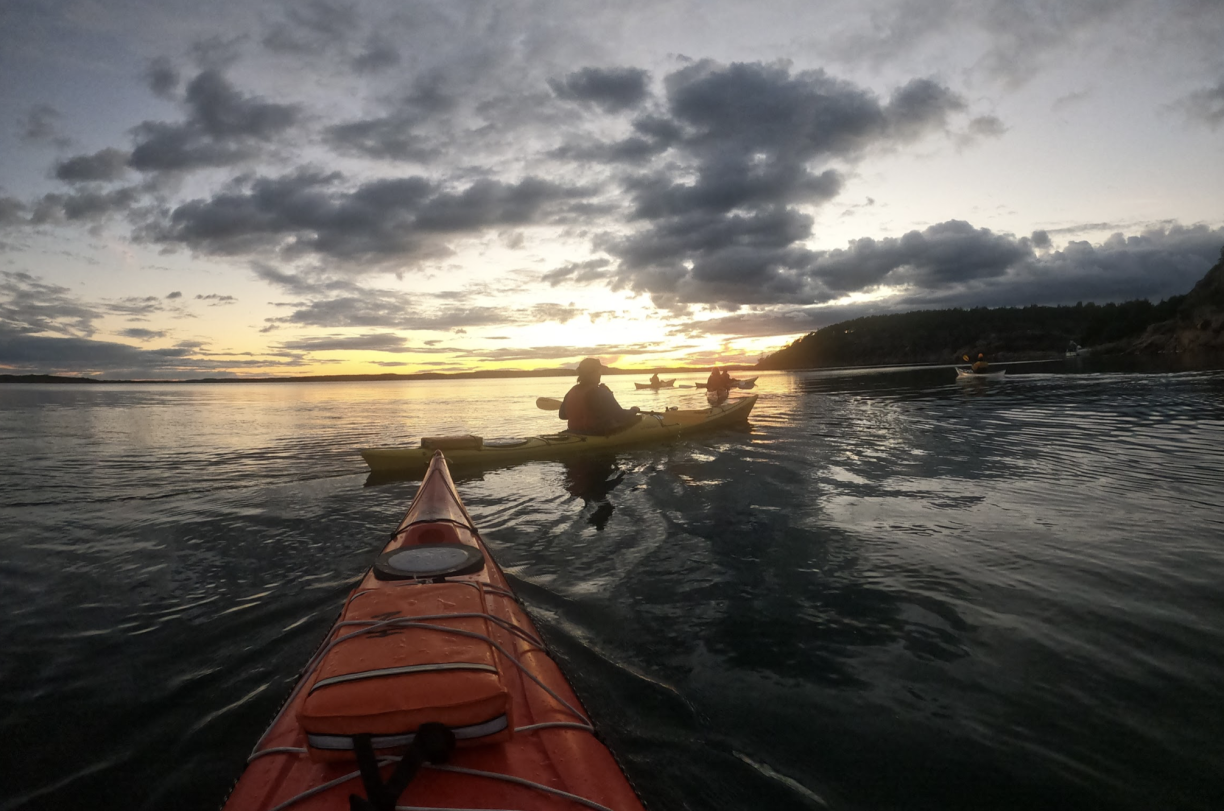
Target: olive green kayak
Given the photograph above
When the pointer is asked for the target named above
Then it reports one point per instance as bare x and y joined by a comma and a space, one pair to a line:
474, 451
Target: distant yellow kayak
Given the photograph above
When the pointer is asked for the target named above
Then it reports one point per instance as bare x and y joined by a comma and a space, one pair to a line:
474, 451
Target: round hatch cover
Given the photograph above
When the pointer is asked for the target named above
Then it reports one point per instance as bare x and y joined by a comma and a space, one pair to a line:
430, 560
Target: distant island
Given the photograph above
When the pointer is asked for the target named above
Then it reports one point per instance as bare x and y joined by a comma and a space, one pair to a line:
1193, 322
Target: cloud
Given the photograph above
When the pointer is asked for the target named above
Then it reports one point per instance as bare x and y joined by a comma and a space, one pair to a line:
41, 125
372, 342
399, 134
74, 355
85, 205
12, 211
724, 218
175, 294
162, 77
552, 353
142, 334
136, 308
1205, 106
310, 213
981, 128
390, 310
104, 165
378, 55
954, 264
610, 89
223, 127
30, 306
216, 299
312, 26
592, 270
561, 313
948, 253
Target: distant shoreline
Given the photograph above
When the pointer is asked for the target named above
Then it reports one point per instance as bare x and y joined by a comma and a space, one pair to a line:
493, 374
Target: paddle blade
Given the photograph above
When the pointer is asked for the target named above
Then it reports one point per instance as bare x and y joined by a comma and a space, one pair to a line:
548, 404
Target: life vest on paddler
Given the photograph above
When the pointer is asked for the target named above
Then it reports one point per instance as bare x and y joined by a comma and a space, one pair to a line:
580, 415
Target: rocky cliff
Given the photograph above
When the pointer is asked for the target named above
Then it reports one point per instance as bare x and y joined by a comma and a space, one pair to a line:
1198, 326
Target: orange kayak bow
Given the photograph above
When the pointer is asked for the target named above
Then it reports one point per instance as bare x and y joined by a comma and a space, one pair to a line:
433, 690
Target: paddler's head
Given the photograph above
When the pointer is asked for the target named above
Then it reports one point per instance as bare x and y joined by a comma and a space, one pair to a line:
589, 370
980, 356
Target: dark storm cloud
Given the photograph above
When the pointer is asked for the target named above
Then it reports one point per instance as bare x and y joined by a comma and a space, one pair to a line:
104, 165
946, 254
1154, 264
313, 213
223, 127
610, 89
29, 305
162, 77
720, 222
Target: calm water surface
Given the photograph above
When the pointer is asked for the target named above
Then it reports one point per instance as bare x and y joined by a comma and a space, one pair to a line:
893, 591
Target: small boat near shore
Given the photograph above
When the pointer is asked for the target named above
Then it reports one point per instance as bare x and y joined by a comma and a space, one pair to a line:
745, 383
969, 374
662, 384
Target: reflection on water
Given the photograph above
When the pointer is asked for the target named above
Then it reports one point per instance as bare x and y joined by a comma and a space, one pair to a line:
592, 478
890, 591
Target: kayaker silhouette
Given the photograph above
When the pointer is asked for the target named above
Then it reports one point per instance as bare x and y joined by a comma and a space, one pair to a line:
590, 407
654, 379
981, 366
718, 380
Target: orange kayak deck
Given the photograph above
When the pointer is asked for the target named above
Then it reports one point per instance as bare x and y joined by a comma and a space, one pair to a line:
456, 649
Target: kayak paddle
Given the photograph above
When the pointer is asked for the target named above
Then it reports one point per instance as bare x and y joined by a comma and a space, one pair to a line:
550, 404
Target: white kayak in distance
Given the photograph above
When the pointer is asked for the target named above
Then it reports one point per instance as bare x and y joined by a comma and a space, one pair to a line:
745, 383
662, 384
969, 374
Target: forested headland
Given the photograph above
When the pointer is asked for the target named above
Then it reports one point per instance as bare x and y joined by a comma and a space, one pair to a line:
1194, 321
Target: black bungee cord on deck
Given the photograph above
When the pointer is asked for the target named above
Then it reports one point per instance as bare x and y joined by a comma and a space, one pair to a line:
432, 743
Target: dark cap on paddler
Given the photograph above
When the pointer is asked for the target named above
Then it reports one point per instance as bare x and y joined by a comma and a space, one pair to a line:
590, 367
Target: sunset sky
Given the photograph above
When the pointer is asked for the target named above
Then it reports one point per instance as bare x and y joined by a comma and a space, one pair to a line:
249, 188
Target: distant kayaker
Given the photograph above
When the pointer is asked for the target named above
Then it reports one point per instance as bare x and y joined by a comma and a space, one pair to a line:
726, 380
981, 367
590, 407
654, 379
